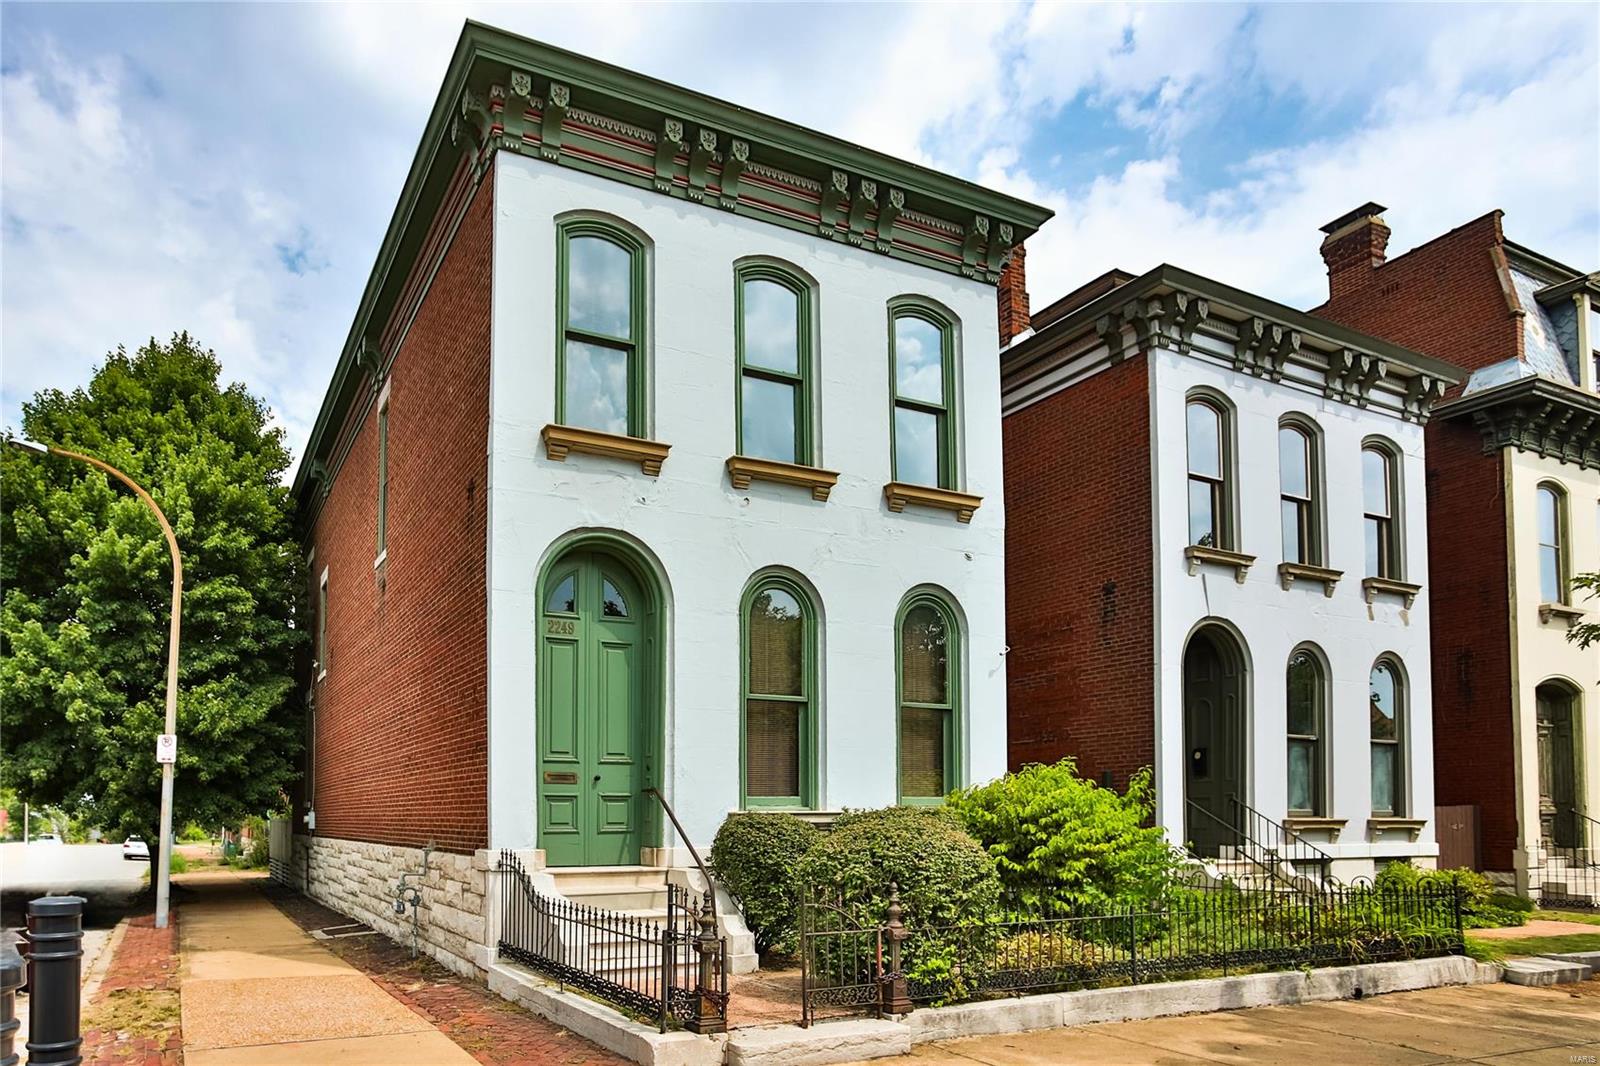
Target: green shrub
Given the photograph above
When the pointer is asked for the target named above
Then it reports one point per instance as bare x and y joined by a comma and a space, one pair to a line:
1059, 840
949, 894
755, 856
1482, 906
193, 834
179, 864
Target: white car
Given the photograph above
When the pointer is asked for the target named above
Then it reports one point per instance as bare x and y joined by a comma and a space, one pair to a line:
47, 838
134, 848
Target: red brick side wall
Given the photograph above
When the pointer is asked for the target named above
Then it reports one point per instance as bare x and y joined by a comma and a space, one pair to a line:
1471, 638
1079, 592
401, 718
1011, 295
1443, 299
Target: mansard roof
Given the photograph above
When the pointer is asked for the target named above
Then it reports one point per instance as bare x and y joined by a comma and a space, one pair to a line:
1186, 312
504, 92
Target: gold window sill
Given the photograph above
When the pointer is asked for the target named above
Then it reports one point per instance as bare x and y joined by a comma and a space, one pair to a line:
1196, 554
1568, 614
1314, 823
1288, 572
743, 469
1371, 587
1377, 825
899, 495
559, 441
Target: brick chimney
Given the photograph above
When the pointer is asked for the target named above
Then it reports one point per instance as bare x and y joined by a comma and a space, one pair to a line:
1012, 296
1353, 248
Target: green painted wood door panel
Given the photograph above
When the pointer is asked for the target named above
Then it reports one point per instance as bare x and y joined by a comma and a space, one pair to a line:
593, 714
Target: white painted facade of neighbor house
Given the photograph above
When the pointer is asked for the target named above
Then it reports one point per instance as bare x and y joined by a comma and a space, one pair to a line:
1292, 695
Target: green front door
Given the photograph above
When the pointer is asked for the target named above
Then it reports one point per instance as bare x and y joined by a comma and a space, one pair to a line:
592, 712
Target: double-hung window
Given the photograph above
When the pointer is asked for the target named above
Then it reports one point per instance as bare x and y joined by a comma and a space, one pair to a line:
780, 641
1551, 514
930, 700
1299, 495
773, 338
923, 359
1380, 500
1307, 689
1210, 487
322, 625
600, 302
1387, 730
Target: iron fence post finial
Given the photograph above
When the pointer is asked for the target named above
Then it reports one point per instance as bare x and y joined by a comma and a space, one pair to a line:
710, 1008
896, 992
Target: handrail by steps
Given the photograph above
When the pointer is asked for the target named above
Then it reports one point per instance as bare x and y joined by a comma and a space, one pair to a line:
1254, 821
711, 885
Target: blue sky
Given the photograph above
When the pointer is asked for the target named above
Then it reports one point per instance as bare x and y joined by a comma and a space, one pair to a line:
230, 168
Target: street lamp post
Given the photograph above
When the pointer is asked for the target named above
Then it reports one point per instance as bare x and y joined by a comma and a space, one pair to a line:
164, 870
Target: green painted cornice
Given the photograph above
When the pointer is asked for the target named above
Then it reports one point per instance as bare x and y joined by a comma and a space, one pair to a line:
1534, 414
1169, 306
503, 92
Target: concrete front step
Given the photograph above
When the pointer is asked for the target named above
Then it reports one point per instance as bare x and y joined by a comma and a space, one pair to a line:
1544, 972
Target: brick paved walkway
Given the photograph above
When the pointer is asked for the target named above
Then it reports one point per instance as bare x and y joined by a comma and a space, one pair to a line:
134, 1017
492, 1030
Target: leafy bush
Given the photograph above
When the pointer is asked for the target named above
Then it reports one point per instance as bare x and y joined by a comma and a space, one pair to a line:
1059, 840
1482, 907
193, 834
179, 864
949, 893
755, 856
260, 852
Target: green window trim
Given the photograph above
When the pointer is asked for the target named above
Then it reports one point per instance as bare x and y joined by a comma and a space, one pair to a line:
1394, 747
954, 725
1555, 547
1311, 502
383, 477
1219, 486
806, 797
1383, 531
800, 380
1312, 739
944, 413
634, 345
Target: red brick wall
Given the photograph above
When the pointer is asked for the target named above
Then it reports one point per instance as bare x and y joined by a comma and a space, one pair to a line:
1079, 593
1471, 638
401, 718
1011, 295
1443, 299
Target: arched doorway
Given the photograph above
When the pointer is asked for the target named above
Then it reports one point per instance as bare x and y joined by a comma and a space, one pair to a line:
598, 706
1213, 728
1558, 765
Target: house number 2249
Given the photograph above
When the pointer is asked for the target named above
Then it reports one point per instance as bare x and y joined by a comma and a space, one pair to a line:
560, 627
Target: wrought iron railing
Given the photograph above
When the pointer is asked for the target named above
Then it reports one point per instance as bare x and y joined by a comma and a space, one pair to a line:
671, 969
1568, 873
1250, 836
711, 885
889, 966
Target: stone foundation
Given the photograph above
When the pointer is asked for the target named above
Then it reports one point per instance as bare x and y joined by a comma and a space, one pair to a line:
362, 880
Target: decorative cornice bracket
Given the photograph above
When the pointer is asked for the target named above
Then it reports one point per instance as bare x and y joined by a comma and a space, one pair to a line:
976, 237
555, 111
887, 216
828, 210
865, 200
668, 145
700, 160
732, 170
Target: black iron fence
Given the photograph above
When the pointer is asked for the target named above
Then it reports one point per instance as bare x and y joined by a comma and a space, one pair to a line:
888, 966
1276, 853
671, 969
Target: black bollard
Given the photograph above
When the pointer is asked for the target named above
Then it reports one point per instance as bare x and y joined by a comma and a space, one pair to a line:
10, 981
55, 958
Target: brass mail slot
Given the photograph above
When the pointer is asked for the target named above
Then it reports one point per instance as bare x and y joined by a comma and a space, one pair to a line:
560, 777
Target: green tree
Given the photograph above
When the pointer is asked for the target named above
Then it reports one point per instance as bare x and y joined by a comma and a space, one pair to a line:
1586, 633
88, 581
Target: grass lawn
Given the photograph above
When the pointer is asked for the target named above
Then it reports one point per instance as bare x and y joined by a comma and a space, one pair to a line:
1495, 950
1586, 917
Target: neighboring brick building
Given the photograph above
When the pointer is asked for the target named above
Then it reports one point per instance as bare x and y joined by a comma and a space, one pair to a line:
663, 454
1513, 490
1195, 579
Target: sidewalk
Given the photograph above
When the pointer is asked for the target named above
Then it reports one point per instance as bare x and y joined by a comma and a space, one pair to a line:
257, 989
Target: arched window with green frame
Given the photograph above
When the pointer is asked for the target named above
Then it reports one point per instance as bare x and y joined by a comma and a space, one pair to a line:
922, 381
602, 312
778, 638
774, 342
928, 694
